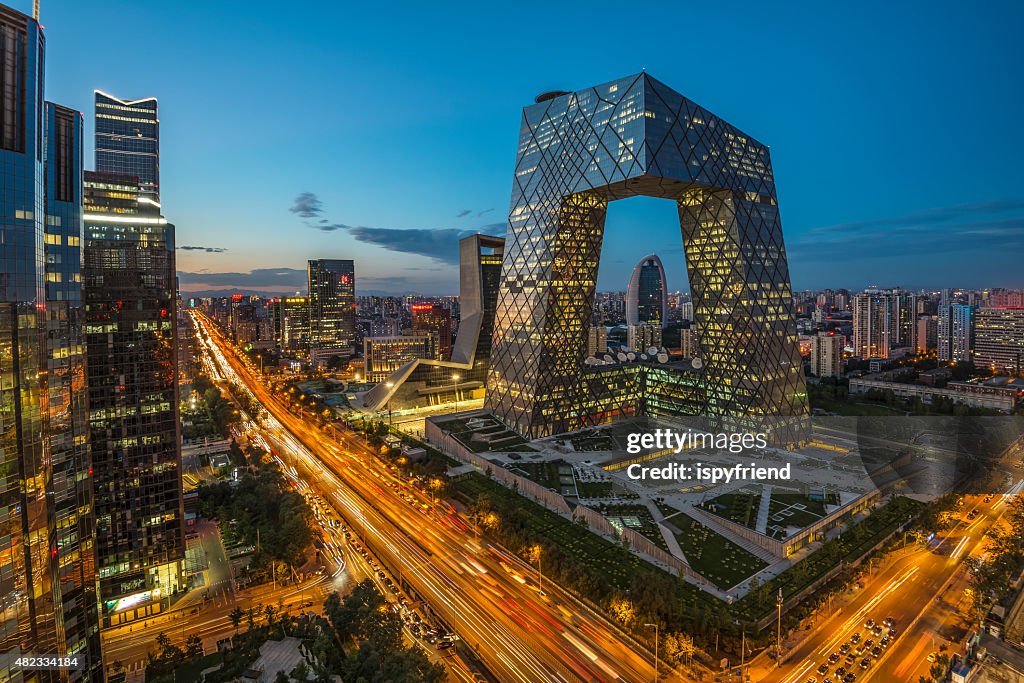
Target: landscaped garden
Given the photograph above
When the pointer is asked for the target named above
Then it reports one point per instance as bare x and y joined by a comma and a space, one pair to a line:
714, 556
739, 506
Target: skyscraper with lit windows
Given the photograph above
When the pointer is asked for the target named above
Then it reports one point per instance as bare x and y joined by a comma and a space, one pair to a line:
134, 427
47, 599
332, 307
128, 141
635, 136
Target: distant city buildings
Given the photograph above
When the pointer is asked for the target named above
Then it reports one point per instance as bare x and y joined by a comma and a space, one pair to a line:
434, 319
290, 315
643, 336
597, 340
999, 339
827, 355
332, 308
647, 294
927, 333
883, 320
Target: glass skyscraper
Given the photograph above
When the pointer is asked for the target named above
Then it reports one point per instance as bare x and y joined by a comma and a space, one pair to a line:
128, 141
647, 293
332, 307
134, 430
636, 136
47, 599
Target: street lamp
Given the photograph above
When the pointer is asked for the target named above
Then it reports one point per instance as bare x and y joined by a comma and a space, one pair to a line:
455, 386
536, 552
656, 667
778, 633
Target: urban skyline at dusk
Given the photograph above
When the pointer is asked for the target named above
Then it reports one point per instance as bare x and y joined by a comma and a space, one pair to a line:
330, 351
333, 121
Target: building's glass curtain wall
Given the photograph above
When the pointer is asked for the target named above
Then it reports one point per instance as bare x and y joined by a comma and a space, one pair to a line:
635, 136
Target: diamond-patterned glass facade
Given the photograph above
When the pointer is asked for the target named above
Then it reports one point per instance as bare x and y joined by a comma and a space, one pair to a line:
636, 136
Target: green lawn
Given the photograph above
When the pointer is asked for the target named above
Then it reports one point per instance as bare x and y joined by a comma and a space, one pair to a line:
594, 489
739, 506
714, 556
551, 475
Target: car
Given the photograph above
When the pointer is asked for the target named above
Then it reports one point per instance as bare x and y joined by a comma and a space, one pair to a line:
855, 638
972, 514
876, 651
840, 672
869, 642
850, 659
888, 622
932, 656
869, 624
884, 642
865, 663
833, 658
859, 650
850, 677
988, 498
892, 633
844, 648
823, 669
877, 630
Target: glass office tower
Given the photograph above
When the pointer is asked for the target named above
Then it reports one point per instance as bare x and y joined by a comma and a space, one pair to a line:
134, 431
45, 565
66, 391
636, 136
332, 307
647, 293
128, 141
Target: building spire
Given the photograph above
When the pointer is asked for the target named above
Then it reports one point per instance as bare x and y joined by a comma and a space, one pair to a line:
35, 10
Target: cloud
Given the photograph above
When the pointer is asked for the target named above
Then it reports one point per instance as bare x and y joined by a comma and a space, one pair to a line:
951, 229
441, 244
267, 278
208, 250
307, 205
481, 213
463, 213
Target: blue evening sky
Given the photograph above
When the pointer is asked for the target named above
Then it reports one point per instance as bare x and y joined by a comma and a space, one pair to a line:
894, 127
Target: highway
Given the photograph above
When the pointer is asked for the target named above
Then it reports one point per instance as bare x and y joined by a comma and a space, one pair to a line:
485, 595
903, 588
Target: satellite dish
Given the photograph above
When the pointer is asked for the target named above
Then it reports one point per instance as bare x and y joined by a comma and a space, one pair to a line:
643, 356
621, 356
697, 363
608, 358
662, 357
652, 350
631, 356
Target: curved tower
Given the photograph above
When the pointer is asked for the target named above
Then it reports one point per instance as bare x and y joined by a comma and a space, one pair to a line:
647, 294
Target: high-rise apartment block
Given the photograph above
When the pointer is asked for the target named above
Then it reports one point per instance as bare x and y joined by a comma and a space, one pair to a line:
999, 339
883, 320
827, 355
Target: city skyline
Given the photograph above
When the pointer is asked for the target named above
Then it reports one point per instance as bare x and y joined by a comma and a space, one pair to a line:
253, 230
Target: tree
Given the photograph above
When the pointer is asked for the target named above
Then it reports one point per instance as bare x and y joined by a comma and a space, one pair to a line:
236, 616
193, 646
